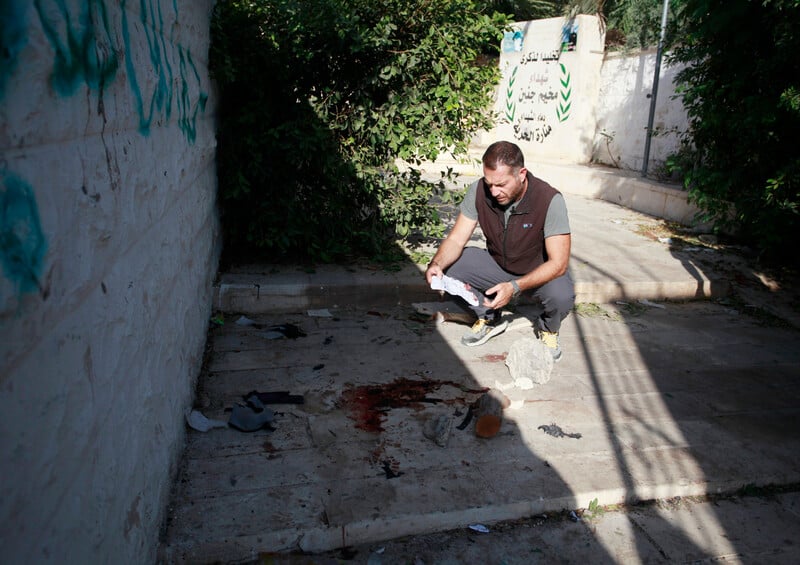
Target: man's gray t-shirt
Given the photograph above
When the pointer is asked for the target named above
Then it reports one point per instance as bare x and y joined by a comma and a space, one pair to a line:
556, 222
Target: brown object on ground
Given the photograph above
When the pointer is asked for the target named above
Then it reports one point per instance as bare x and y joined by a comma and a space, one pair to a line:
458, 317
488, 411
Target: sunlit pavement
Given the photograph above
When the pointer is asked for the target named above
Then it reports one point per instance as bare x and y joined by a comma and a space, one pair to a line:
668, 400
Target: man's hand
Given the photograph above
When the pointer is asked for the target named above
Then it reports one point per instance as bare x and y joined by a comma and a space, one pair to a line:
503, 293
433, 270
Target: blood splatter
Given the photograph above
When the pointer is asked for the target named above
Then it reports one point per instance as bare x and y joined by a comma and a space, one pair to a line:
369, 404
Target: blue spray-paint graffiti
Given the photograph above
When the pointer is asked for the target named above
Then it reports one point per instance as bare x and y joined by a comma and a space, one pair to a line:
13, 24
82, 36
22, 242
188, 114
158, 105
83, 45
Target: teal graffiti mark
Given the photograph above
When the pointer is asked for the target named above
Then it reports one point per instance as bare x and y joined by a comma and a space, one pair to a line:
13, 24
158, 104
83, 46
188, 115
22, 242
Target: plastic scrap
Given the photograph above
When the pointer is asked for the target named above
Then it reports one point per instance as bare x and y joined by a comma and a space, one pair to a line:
281, 331
245, 321
573, 516
651, 304
251, 416
321, 313
479, 528
197, 421
467, 419
245, 419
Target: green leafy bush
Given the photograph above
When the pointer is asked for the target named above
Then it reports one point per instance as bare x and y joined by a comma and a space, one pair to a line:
318, 98
741, 162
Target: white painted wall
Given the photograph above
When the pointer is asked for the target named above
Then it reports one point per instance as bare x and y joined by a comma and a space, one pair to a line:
547, 96
556, 102
108, 244
623, 109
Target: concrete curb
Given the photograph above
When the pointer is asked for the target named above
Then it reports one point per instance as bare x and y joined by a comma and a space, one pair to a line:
361, 288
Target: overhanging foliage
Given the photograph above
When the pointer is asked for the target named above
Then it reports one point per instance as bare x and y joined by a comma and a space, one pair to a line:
317, 100
741, 162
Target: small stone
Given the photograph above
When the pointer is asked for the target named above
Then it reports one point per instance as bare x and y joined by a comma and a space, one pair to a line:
437, 429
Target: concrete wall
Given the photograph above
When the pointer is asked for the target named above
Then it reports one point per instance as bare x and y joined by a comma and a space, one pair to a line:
564, 100
623, 108
547, 96
109, 243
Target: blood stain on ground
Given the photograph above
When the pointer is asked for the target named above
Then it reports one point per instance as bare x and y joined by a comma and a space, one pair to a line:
494, 357
369, 404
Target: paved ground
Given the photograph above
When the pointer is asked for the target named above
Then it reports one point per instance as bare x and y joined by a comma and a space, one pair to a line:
661, 400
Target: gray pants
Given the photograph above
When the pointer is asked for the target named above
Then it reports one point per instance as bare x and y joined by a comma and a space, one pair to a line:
477, 268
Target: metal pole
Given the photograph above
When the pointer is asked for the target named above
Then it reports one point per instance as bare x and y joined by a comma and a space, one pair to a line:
654, 94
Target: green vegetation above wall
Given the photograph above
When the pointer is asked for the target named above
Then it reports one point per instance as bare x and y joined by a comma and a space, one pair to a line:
317, 100
741, 162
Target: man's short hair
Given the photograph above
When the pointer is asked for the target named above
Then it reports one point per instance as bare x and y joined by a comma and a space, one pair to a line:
503, 153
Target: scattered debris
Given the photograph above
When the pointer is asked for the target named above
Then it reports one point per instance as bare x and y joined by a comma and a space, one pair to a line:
245, 419
442, 317
321, 313
280, 331
489, 413
441, 312
573, 516
467, 419
437, 429
479, 528
197, 421
218, 320
556, 431
276, 397
251, 416
651, 304
392, 469
245, 321
667, 240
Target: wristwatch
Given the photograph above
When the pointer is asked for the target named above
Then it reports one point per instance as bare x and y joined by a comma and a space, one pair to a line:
516, 289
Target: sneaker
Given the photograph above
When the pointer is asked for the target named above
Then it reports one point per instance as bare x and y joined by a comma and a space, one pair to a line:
482, 331
550, 339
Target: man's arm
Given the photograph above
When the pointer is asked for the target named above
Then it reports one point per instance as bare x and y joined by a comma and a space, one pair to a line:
558, 250
450, 249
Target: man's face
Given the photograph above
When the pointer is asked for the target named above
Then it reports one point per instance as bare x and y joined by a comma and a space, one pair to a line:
505, 185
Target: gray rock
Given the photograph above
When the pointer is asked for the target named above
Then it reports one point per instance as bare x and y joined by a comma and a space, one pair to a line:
529, 362
437, 429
